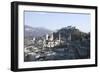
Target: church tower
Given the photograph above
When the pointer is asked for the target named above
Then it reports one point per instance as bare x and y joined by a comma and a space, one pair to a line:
51, 37
59, 37
47, 36
69, 38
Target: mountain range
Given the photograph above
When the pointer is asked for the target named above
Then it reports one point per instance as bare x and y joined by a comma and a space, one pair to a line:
35, 31
76, 34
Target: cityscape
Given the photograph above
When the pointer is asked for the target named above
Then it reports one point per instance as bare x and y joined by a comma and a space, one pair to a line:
65, 44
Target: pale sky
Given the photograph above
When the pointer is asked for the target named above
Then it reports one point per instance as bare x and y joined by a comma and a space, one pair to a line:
54, 21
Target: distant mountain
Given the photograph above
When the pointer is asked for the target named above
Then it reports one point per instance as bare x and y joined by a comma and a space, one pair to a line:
35, 32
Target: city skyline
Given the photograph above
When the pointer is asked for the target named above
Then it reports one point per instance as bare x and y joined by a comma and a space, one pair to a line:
54, 21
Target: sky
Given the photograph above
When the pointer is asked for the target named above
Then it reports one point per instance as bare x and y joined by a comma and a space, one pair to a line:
57, 20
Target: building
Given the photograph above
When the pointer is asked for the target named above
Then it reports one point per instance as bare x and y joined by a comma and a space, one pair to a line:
51, 42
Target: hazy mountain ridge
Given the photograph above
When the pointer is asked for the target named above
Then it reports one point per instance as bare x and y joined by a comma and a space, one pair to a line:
65, 32
35, 32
